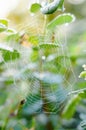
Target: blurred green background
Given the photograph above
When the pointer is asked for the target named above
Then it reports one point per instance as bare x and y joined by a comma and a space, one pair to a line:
40, 88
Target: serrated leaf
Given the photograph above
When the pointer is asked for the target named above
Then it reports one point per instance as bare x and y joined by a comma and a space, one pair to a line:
61, 19
35, 7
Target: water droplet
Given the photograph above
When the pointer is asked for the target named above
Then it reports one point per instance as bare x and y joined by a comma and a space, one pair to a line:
43, 57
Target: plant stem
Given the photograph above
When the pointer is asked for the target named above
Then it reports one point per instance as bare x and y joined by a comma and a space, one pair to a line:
42, 89
5, 125
44, 26
77, 91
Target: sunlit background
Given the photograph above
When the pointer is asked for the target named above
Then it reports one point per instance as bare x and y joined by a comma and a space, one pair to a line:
8, 5
72, 39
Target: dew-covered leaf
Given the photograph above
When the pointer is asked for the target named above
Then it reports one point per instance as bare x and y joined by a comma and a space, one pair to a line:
65, 18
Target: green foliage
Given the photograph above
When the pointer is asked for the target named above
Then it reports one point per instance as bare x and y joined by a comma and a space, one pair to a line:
34, 40
39, 68
48, 45
10, 31
61, 19
3, 25
50, 8
12, 36
71, 106
8, 53
83, 73
35, 7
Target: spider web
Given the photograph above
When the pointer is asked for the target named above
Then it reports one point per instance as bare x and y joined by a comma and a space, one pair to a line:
44, 91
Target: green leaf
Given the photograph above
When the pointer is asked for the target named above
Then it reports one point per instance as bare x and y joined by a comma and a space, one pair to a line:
13, 37
70, 107
3, 25
11, 31
61, 19
7, 80
34, 56
4, 22
48, 45
61, 6
51, 7
83, 75
34, 40
35, 7
8, 53
2, 28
